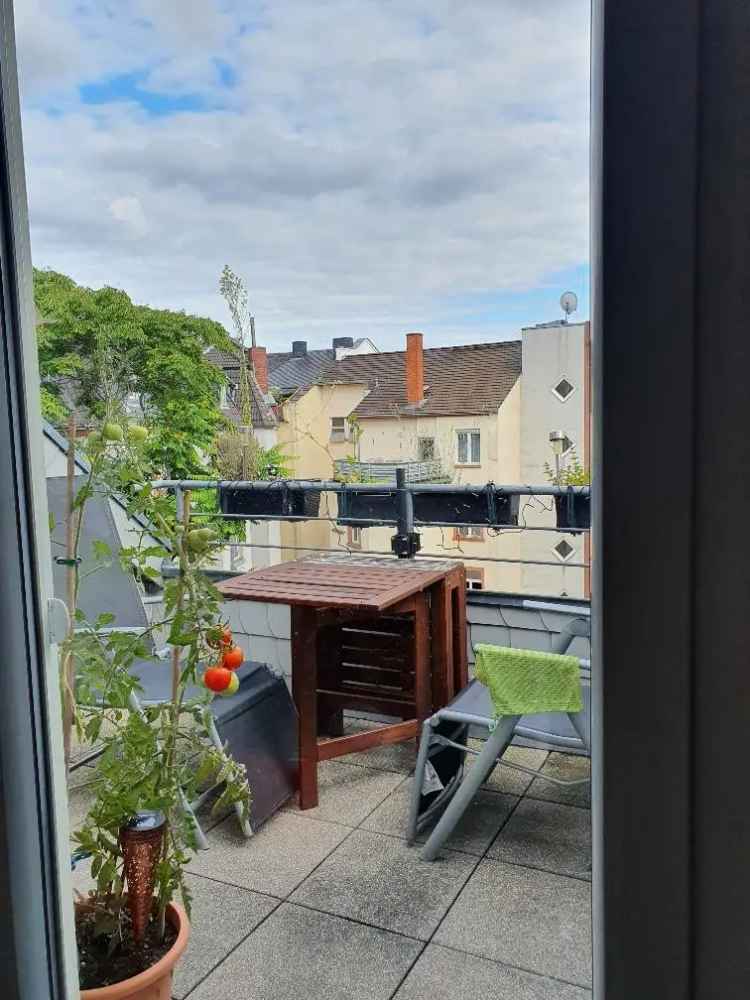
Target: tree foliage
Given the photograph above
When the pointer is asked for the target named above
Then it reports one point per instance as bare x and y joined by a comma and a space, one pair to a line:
157, 354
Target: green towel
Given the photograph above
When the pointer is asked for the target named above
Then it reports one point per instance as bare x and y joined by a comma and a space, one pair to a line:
525, 681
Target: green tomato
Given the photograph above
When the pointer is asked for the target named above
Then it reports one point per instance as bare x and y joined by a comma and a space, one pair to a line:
195, 540
94, 441
112, 432
207, 534
138, 433
232, 688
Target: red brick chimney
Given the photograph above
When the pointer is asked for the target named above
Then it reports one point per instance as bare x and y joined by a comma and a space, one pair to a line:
259, 361
414, 368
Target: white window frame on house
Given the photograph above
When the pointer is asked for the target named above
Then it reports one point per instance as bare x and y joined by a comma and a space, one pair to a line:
342, 433
354, 537
424, 440
556, 394
469, 533
473, 456
474, 578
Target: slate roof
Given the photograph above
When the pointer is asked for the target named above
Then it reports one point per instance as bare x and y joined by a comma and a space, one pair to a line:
289, 372
473, 379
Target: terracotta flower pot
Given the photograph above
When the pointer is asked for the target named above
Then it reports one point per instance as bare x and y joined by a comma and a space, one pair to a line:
155, 983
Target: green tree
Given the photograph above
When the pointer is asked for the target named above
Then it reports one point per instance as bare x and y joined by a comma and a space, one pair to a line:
156, 353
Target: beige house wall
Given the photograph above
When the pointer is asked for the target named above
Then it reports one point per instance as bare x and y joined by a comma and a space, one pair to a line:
549, 354
397, 438
304, 435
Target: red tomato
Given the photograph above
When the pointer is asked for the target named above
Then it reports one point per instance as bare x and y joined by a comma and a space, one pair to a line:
232, 658
220, 638
217, 678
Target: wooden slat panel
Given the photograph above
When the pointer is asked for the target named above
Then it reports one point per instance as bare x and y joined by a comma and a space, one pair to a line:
383, 736
332, 584
389, 644
402, 707
370, 676
388, 659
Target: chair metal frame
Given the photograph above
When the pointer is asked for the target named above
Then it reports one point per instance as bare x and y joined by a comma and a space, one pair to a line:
458, 794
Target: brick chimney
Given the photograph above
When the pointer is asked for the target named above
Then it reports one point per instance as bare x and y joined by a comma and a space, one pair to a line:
414, 368
259, 362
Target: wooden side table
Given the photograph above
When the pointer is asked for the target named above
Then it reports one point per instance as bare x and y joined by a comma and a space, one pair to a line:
383, 635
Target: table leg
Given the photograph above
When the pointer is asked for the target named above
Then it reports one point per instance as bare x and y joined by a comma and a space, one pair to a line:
304, 689
422, 678
460, 658
441, 610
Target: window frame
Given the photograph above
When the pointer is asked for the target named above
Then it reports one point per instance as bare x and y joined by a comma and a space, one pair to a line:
478, 576
477, 536
470, 433
343, 434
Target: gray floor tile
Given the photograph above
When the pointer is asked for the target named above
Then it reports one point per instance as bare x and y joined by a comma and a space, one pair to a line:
547, 835
569, 767
529, 919
301, 953
443, 974
381, 881
505, 779
475, 832
275, 860
221, 916
348, 793
398, 757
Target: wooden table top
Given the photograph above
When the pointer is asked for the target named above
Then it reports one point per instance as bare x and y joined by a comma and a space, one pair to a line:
338, 581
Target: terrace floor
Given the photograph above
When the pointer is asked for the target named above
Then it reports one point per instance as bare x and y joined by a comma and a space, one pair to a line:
331, 904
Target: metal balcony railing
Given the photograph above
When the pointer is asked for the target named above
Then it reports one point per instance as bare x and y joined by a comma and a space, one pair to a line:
383, 471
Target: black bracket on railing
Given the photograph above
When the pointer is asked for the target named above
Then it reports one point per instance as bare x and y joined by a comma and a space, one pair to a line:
406, 542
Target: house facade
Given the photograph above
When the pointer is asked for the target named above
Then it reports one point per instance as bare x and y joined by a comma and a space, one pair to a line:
472, 414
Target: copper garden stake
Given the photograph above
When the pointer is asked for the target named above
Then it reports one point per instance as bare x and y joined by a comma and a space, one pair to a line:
141, 842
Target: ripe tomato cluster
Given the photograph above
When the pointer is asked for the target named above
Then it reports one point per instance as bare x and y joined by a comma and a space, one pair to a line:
220, 677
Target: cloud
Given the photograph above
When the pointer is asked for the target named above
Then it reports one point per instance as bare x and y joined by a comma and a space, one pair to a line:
368, 166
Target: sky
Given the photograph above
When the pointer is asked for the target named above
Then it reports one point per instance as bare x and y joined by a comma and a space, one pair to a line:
369, 167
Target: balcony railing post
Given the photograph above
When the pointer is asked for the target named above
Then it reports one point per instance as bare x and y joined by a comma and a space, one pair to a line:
406, 542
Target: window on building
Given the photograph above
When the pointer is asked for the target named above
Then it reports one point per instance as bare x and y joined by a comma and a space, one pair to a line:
563, 550
426, 449
469, 532
474, 579
563, 389
338, 429
468, 450
354, 537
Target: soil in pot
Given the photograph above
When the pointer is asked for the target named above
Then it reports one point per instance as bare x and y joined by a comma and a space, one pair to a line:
100, 965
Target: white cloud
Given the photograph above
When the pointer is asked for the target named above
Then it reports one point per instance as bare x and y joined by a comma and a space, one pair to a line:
374, 165
129, 211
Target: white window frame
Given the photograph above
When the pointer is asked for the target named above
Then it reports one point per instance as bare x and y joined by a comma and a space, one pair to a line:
340, 435
469, 533
470, 433
426, 437
475, 582
556, 394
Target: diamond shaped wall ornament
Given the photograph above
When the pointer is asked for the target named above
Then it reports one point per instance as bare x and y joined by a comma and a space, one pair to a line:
563, 389
564, 550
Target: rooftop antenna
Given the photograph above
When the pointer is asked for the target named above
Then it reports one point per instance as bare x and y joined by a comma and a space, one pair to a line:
568, 304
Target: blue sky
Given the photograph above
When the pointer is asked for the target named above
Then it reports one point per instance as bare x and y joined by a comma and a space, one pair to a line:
368, 167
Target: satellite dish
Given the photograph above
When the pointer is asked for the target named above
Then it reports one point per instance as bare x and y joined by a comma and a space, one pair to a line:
568, 303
